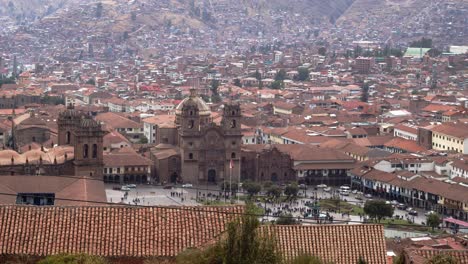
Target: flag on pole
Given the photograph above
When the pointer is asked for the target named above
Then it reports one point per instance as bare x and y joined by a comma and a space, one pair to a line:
231, 164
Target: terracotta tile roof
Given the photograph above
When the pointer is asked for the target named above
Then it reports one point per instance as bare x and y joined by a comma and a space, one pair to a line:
420, 256
406, 145
64, 188
340, 244
117, 121
110, 230
438, 108
458, 130
119, 159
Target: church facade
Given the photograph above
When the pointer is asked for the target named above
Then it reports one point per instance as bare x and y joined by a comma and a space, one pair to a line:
195, 149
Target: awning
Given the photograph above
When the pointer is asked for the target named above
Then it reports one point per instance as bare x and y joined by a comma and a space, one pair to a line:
456, 221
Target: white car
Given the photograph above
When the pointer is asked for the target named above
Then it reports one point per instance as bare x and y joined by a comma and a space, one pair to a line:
187, 185
327, 189
132, 186
322, 186
429, 213
368, 195
355, 191
125, 189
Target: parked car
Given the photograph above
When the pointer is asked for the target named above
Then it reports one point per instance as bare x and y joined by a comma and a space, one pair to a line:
322, 186
401, 206
125, 189
394, 202
355, 191
302, 186
167, 187
368, 195
413, 212
132, 186
327, 189
187, 185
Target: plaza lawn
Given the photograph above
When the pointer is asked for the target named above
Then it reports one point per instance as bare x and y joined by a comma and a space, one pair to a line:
342, 207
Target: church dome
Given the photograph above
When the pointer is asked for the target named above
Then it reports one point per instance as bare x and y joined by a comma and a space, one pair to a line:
194, 100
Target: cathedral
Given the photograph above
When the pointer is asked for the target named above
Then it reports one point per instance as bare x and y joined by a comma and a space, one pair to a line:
197, 150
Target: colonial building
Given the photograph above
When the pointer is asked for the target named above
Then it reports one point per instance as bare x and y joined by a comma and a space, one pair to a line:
195, 149
55, 175
302, 163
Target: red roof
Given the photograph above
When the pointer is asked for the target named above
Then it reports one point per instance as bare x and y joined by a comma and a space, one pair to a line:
456, 221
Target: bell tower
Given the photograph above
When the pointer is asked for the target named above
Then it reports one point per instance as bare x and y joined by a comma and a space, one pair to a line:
231, 126
88, 142
190, 117
67, 122
231, 119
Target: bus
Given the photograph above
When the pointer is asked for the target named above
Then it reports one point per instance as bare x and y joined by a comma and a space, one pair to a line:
345, 190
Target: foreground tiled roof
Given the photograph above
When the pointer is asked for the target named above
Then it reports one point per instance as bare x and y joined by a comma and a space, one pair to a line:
119, 231
421, 256
339, 244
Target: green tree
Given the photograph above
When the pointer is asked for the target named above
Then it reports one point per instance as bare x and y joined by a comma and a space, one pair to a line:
361, 260
322, 51
242, 245
433, 220
303, 74
365, 93
215, 97
378, 209
400, 259
291, 191
257, 75
307, 259
286, 219
245, 245
442, 259
280, 75
6, 81
91, 81
276, 85
143, 140
73, 259
252, 188
99, 8
357, 51
274, 192
225, 187
422, 43
237, 82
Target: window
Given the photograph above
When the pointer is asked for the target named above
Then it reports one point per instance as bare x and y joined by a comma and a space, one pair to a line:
190, 155
94, 151
35, 198
233, 155
118, 170
85, 151
67, 137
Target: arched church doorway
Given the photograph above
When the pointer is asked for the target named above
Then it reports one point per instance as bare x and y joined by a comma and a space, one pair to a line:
274, 177
174, 177
212, 176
